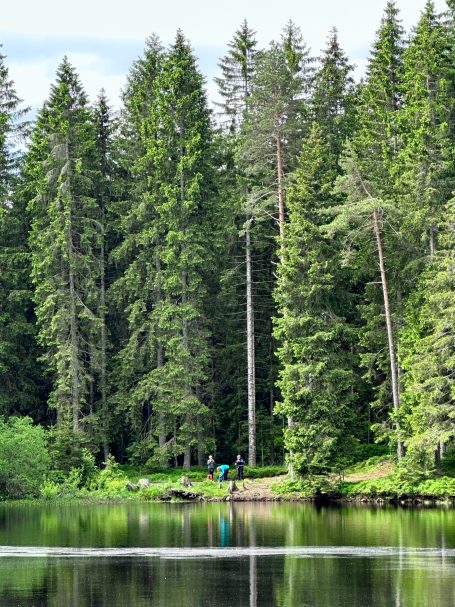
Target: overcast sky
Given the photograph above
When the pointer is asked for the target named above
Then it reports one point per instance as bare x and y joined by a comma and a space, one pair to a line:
103, 37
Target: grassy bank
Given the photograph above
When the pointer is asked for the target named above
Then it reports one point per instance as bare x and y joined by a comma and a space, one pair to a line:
375, 479
111, 484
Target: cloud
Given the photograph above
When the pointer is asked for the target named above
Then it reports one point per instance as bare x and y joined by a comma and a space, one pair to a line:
104, 37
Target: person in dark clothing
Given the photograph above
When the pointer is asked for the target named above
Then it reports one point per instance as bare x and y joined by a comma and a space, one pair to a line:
211, 465
239, 464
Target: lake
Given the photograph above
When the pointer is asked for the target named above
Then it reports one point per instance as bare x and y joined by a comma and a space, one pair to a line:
226, 554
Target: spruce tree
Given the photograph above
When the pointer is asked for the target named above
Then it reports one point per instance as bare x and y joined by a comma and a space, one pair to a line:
167, 350
426, 180
20, 381
317, 365
315, 341
65, 241
237, 68
133, 259
371, 216
427, 348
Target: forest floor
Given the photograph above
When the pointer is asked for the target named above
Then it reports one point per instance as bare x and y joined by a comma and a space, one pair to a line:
258, 490
381, 470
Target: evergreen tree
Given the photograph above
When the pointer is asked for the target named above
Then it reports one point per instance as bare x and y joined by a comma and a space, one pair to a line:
133, 259
65, 241
426, 180
20, 382
166, 273
105, 182
427, 349
316, 343
237, 68
317, 364
273, 128
426, 174
369, 183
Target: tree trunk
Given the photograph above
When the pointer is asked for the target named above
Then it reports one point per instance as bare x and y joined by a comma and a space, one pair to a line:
74, 356
388, 318
160, 354
281, 206
280, 188
250, 351
103, 388
185, 338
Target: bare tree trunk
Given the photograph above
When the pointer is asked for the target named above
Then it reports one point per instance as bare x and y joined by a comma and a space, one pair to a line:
74, 348
160, 354
281, 204
185, 337
388, 318
280, 188
103, 387
250, 352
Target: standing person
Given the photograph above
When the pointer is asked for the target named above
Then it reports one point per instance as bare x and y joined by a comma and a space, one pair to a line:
223, 472
239, 464
211, 465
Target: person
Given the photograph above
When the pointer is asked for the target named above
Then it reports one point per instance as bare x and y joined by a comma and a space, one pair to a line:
239, 463
223, 472
211, 465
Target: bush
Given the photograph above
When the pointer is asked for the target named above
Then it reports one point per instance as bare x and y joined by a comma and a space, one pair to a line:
24, 459
309, 486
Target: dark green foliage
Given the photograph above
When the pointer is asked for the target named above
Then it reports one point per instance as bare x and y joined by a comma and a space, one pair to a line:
65, 243
317, 363
283, 285
237, 69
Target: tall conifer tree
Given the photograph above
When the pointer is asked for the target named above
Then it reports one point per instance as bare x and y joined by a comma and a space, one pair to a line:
65, 241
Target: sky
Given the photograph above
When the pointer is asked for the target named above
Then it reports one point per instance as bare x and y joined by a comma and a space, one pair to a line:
103, 37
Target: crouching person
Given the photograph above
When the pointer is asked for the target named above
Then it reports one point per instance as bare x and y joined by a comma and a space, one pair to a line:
223, 473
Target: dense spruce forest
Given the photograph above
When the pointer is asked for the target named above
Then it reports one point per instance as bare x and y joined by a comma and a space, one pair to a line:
272, 276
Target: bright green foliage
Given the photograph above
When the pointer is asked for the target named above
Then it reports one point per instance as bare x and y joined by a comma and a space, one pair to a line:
65, 243
428, 354
24, 459
315, 341
317, 365
426, 173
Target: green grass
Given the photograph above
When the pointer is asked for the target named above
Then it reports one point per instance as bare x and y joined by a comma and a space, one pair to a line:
367, 465
394, 487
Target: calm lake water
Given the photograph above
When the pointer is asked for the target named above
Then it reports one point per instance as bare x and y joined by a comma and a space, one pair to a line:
225, 555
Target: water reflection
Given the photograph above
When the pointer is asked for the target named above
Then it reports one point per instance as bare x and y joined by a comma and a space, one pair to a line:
248, 555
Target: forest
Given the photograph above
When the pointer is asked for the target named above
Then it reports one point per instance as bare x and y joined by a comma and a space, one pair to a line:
271, 275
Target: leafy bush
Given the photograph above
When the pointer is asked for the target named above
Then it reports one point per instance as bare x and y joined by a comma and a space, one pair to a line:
24, 459
305, 487
264, 472
112, 471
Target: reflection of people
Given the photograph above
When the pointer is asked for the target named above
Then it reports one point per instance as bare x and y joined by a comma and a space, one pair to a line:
239, 463
211, 465
224, 532
223, 472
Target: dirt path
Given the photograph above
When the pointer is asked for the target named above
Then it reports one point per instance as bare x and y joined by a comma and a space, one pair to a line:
379, 471
256, 490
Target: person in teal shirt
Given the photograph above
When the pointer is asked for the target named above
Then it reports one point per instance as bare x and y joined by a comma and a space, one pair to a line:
223, 472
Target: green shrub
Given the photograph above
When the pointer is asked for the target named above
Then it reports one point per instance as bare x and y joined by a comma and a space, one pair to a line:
24, 459
111, 471
306, 487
